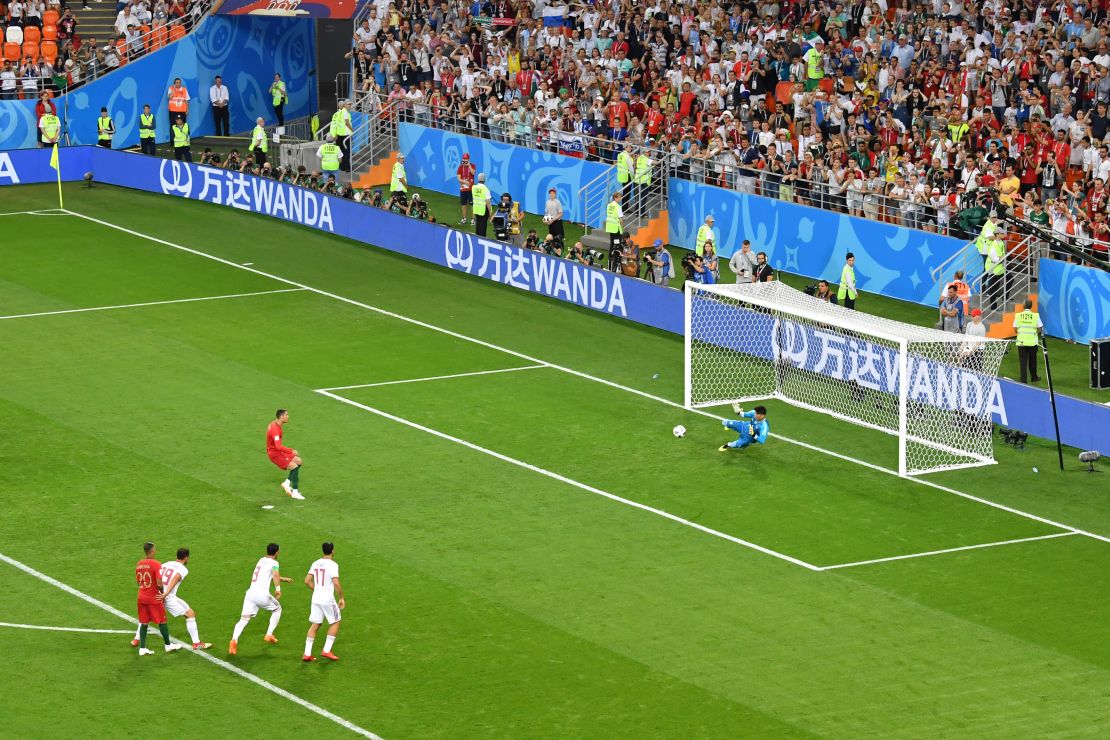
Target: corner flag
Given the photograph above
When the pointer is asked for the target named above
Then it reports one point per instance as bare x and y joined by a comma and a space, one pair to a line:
58, 169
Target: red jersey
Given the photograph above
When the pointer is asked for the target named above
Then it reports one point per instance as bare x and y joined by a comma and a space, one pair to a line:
618, 114
465, 173
274, 434
148, 575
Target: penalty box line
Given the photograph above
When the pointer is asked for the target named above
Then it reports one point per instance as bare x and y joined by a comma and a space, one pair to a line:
947, 550
200, 654
46, 628
434, 377
569, 481
580, 374
150, 303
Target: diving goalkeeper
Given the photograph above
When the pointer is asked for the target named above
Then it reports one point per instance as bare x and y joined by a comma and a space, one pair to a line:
752, 427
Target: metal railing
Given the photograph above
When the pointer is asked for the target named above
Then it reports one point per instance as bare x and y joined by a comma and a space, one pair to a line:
997, 296
343, 89
194, 14
296, 130
639, 202
374, 139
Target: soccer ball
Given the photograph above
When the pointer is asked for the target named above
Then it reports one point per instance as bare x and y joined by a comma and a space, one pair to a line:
679, 431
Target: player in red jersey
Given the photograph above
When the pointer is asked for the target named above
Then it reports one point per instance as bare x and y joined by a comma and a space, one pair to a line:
148, 575
285, 458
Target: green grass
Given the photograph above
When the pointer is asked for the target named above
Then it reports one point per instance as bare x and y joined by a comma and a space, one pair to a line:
486, 599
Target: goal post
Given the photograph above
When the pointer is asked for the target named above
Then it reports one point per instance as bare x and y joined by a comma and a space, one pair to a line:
929, 388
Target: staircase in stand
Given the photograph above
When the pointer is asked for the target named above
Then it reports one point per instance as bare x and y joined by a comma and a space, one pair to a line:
97, 21
645, 214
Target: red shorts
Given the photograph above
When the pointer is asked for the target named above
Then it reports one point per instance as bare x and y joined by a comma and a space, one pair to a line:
152, 613
281, 459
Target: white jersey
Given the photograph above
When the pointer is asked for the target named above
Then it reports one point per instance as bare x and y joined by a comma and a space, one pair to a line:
263, 576
168, 570
322, 572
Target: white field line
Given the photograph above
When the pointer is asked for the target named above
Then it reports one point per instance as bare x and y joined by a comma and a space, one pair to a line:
44, 212
204, 655
570, 481
586, 376
63, 629
947, 550
150, 303
434, 377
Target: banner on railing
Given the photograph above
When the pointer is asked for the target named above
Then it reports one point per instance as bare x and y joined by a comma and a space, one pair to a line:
1073, 300
432, 159
244, 51
890, 260
1082, 424
292, 8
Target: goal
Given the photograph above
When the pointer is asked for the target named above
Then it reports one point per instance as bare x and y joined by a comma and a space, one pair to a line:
932, 389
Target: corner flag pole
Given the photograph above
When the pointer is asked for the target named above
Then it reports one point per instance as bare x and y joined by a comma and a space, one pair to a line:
1052, 398
58, 169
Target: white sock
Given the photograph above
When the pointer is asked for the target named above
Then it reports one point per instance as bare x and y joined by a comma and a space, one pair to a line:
137, 632
191, 626
328, 643
239, 627
274, 619
308, 646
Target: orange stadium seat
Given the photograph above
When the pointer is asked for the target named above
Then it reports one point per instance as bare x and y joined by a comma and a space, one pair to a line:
30, 49
11, 52
121, 49
50, 32
50, 18
158, 38
177, 31
32, 34
49, 51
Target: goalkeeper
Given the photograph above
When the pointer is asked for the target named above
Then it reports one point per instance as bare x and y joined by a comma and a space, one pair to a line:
752, 427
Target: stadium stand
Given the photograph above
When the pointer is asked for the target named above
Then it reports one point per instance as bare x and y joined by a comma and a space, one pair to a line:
910, 113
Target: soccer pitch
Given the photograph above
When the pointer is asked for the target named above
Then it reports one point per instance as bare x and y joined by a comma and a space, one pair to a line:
525, 549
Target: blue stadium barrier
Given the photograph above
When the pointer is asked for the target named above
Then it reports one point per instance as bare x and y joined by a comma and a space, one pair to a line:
890, 260
245, 50
1082, 424
1073, 300
433, 156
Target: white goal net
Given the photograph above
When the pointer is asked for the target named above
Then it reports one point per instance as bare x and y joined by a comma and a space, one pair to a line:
930, 388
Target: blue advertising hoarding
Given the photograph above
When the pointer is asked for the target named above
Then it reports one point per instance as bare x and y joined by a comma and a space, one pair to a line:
1083, 424
890, 260
1073, 300
432, 158
245, 51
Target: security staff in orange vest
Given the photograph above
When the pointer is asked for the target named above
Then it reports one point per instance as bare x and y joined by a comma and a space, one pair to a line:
178, 100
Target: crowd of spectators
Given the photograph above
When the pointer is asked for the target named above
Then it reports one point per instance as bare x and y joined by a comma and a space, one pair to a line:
63, 58
906, 112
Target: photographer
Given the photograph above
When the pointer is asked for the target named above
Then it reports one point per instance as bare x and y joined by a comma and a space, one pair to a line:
398, 203
502, 220
377, 198
700, 274
532, 241
418, 208
660, 268
553, 245
822, 292
630, 257
578, 254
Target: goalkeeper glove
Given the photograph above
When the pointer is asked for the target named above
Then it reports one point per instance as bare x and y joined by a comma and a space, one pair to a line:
737, 408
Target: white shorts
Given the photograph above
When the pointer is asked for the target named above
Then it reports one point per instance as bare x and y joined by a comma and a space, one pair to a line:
253, 602
321, 613
175, 606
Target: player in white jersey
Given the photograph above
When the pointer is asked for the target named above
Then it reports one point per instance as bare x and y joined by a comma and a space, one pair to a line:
258, 597
327, 600
173, 573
